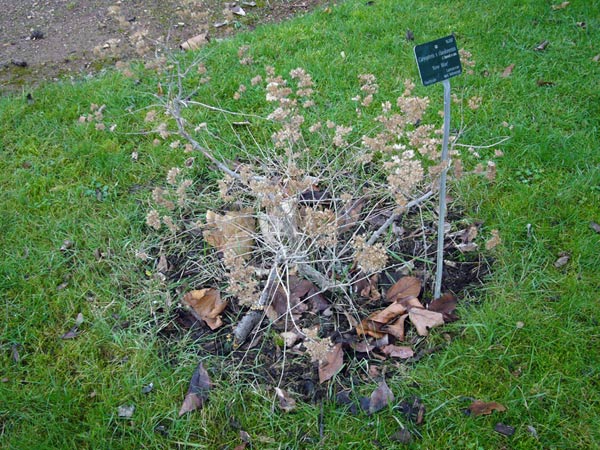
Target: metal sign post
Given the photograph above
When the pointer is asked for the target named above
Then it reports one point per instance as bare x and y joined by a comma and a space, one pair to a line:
439, 61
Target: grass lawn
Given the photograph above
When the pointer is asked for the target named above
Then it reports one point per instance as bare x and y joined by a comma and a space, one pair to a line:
528, 339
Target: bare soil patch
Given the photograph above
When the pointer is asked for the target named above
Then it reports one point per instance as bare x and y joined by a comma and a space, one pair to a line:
42, 40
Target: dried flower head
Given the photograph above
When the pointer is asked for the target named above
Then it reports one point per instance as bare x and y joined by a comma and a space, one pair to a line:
370, 258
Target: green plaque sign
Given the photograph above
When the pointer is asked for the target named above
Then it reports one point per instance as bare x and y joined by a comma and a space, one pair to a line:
438, 60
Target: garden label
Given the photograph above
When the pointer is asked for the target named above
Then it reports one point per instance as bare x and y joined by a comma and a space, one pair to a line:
438, 60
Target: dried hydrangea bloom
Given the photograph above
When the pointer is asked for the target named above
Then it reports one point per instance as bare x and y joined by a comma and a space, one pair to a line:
153, 219
340, 134
241, 278
474, 102
256, 80
158, 195
172, 175
320, 226
316, 347
370, 258
405, 173
168, 221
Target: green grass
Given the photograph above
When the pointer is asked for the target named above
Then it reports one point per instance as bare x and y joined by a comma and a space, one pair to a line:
65, 393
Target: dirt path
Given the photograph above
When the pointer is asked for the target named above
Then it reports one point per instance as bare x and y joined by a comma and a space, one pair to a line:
45, 39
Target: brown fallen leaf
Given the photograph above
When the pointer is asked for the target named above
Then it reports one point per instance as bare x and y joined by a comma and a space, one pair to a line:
506, 430
367, 287
423, 320
469, 234
480, 408
125, 411
332, 364
542, 46
446, 304
163, 263
380, 398
402, 436
197, 392
388, 314
206, 305
290, 300
395, 351
74, 331
413, 409
563, 259
404, 287
466, 248
562, 5
368, 327
396, 329
508, 71
543, 83
362, 346
286, 403
231, 231
195, 42
494, 241
595, 226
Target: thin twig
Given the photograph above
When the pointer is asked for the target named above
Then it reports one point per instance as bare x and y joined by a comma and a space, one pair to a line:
176, 113
395, 216
478, 147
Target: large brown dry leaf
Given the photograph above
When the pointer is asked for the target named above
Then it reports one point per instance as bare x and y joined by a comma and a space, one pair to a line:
388, 314
396, 329
423, 320
289, 300
479, 408
380, 398
332, 364
404, 287
396, 351
206, 305
195, 42
197, 392
286, 403
446, 305
232, 231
